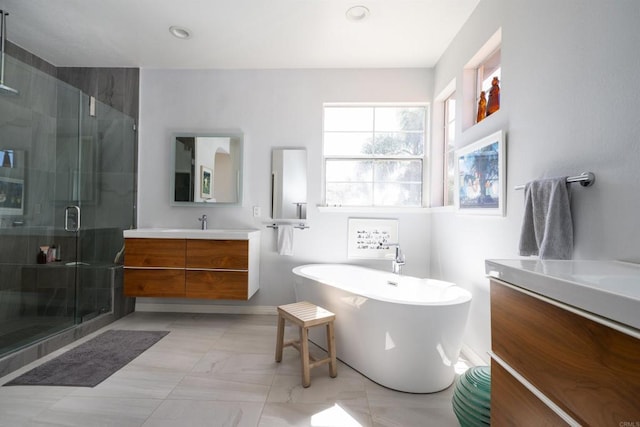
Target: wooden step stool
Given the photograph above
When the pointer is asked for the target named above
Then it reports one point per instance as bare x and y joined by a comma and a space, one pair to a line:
306, 315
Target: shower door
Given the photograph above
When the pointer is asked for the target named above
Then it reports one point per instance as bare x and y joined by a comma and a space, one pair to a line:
68, 182
38, 127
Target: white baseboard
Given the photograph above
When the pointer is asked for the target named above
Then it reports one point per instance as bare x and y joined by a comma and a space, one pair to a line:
473, 357
205, 308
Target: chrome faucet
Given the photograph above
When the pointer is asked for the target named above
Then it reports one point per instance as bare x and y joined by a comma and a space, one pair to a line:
399, 260
203, 219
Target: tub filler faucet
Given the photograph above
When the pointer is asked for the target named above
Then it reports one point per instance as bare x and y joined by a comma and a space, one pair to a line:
203, 219
399, 260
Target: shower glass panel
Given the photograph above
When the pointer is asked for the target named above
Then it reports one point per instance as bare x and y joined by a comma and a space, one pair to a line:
68, 182
104, 192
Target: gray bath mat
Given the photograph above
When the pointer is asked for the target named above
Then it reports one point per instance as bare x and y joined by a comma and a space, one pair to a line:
90, 363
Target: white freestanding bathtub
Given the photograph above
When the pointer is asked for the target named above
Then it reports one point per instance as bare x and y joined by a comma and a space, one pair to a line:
402, 332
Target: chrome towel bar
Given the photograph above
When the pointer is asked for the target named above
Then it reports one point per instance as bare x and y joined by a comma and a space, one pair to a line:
586, 179
300, 226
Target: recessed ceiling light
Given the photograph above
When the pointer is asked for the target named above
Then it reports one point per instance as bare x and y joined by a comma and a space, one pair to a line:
357, 13
180, 32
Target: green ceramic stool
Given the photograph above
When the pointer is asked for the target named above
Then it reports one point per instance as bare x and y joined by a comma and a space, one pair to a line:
472, 397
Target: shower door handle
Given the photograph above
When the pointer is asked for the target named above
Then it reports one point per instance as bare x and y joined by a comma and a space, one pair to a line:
72, 218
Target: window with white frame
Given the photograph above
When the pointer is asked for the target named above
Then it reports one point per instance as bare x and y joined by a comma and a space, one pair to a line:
374, 155
449, 133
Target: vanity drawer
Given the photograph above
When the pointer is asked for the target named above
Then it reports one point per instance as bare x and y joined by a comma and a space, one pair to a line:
512, 404
217, 254
217, 284
589, 370
153, 282
155, 253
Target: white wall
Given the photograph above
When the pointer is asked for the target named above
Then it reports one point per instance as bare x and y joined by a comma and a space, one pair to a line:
570, 102
273, 108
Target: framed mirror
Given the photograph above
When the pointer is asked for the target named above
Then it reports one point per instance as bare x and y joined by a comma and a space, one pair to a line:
207, 168
289, 183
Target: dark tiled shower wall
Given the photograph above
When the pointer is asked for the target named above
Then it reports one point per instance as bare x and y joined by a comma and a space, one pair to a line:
30, 59
116, 87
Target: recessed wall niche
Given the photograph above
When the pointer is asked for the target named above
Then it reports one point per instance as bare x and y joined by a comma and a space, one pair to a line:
482, 74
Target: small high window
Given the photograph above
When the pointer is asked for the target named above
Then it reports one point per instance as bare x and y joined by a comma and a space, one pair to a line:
487, 71
478, 76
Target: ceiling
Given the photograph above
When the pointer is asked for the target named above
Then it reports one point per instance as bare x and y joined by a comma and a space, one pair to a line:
236, 34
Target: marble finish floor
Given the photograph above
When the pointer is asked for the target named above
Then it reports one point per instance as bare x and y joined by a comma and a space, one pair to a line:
218, 370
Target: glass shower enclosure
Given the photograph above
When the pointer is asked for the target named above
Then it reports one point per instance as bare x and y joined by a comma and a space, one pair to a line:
67, 190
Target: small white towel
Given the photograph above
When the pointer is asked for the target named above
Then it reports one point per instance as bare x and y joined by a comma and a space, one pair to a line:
547, 228
285, 239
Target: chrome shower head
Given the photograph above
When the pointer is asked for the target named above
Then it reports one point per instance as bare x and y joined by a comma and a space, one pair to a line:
4, 89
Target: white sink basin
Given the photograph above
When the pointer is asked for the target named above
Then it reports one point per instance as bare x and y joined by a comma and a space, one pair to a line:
186, 233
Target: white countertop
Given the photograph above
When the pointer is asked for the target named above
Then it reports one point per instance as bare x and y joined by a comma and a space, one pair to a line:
186, 233
609, 289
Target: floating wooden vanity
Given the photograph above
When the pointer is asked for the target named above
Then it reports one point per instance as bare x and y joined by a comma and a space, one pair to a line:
208, 264
565, 342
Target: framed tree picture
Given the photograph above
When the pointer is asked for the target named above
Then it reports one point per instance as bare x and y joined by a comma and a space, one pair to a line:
481, 176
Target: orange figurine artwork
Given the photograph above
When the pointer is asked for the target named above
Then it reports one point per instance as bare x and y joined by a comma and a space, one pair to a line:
482, 107
494, 97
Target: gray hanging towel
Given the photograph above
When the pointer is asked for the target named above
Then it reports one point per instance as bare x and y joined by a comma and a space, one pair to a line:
547, 228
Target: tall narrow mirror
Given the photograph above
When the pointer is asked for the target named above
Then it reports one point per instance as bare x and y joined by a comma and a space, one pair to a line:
289, 183
207, 169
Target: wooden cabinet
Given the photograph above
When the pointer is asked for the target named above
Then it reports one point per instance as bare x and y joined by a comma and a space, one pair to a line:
216, 284
512, 404
164, 253
218, 254
556, 366
191, 268
154, 283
